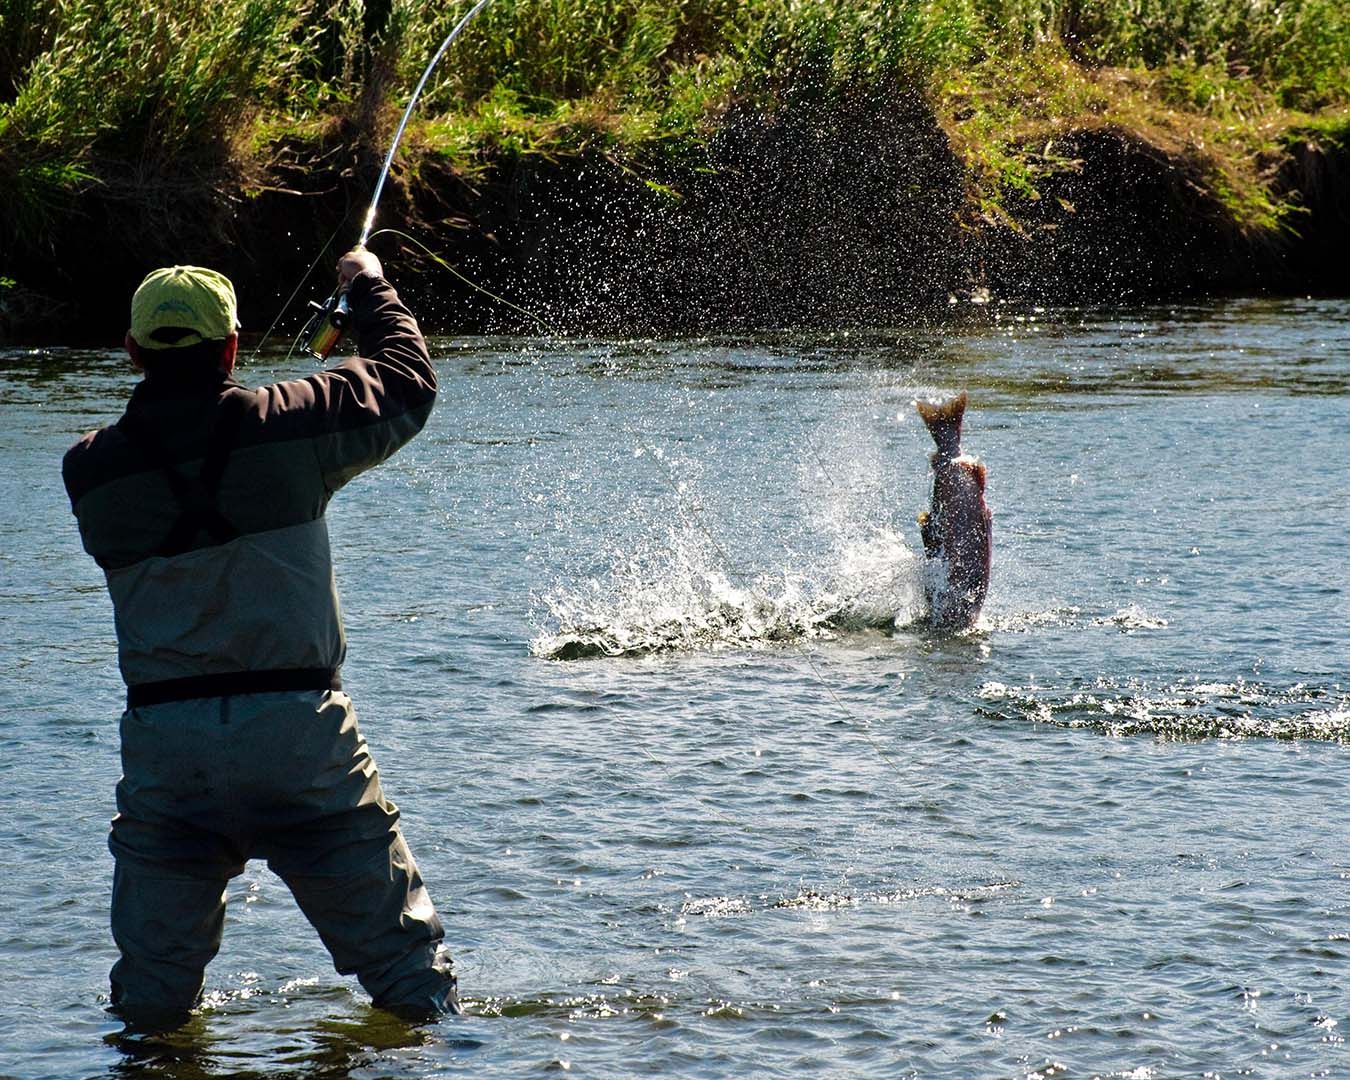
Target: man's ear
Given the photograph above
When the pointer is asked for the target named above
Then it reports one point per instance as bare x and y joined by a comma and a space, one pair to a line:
133, 351
227, 357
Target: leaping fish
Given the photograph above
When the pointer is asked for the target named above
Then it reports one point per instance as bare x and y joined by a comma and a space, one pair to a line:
957, 528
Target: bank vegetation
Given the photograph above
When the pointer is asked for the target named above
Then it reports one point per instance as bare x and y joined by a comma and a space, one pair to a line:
893, 154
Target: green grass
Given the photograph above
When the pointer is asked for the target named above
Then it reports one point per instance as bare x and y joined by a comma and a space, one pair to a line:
1332, 126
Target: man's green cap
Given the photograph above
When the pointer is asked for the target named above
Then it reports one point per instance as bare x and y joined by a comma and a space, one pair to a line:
179, 306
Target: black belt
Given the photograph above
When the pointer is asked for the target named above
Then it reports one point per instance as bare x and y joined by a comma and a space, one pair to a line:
280, 680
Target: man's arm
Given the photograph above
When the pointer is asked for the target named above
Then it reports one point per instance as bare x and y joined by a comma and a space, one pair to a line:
360, 411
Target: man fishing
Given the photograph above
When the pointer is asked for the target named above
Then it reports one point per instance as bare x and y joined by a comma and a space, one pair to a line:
204, 505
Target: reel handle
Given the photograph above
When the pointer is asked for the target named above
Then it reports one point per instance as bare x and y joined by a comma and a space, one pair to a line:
326, 326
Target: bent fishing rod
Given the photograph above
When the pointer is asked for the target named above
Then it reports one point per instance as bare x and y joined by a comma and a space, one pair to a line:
329, 321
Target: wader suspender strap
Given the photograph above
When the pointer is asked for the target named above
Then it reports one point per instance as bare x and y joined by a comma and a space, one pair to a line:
196, 498
199, 513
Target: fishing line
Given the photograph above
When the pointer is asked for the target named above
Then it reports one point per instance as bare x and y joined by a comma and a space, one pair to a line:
296, 292
539, 320
829, 689
335, 315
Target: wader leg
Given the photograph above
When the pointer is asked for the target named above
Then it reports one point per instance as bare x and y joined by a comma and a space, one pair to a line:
167, 927
379, 924
342, 853
168, 901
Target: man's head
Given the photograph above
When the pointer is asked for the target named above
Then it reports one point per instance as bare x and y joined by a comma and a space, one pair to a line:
184, 320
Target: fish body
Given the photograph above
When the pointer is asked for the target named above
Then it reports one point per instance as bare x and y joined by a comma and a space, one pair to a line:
957, 528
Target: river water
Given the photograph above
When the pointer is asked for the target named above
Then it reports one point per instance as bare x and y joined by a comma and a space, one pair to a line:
631, 636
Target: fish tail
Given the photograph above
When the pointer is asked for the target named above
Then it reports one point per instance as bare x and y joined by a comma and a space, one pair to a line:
943, 419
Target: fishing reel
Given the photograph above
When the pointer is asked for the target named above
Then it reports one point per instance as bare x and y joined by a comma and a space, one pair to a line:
326, 326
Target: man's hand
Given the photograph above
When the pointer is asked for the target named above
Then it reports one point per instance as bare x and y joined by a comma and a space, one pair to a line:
355, 262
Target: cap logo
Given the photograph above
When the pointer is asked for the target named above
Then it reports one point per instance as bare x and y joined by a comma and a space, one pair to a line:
176, 306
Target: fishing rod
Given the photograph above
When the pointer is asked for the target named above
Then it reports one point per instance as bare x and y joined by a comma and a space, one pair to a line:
329, 321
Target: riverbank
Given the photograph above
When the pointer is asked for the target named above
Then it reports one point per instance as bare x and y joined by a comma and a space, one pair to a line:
710, 171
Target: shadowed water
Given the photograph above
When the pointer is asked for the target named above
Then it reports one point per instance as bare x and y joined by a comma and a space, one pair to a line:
633, 638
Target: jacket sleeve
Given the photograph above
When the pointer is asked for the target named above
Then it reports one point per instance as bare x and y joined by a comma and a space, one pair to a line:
358, 412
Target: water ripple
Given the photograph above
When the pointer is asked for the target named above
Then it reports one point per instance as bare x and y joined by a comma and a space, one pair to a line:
1186, 710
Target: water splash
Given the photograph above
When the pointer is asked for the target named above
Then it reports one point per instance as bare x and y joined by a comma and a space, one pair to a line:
677, 594
1024, 622
1182, 711
1130, 619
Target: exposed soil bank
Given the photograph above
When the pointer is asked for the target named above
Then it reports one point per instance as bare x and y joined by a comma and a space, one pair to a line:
819, 215
1131, 221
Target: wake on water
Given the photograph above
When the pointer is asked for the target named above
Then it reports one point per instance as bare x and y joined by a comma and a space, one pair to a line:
675, 595
1180, 710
